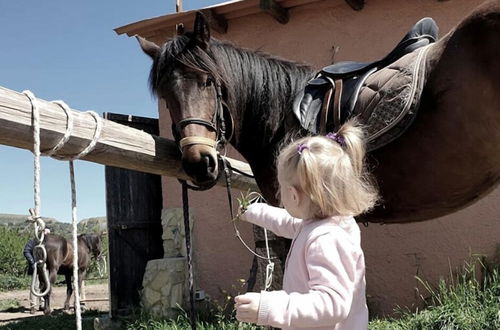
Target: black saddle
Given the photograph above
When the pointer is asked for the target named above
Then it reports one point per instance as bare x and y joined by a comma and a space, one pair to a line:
345, 79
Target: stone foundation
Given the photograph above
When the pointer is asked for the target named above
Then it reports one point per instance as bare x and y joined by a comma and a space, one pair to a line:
165, 280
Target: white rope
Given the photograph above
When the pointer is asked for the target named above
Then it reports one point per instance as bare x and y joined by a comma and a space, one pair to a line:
269, 266
35, 218
74, 222
69, 129
254, 197
95, 138
36, 149
39, 224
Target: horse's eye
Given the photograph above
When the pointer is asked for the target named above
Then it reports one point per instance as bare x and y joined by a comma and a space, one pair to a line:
208, 82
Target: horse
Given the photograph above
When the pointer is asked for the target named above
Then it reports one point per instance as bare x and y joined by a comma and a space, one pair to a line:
60, 261
447, 159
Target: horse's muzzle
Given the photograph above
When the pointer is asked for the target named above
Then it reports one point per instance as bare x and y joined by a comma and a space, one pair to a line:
200, 164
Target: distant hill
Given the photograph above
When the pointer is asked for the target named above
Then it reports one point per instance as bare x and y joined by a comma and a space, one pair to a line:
94, 225
18, 222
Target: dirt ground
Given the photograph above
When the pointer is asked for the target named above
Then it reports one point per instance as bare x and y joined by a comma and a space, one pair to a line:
94, 291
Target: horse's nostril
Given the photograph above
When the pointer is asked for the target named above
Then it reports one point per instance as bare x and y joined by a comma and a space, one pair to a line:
202, 169
210, 163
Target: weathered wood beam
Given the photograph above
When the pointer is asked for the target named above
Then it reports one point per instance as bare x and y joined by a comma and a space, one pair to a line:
215, 21
275, 10
118, 145
356, 4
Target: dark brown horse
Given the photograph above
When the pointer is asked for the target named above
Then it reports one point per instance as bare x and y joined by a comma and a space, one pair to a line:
446, 160
60, 261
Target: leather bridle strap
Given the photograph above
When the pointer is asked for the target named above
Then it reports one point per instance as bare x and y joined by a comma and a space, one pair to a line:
190, 140
193, 120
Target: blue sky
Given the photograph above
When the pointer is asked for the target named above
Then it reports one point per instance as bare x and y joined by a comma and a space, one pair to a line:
67, 50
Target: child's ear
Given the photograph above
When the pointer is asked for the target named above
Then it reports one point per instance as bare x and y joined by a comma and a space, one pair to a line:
294, 193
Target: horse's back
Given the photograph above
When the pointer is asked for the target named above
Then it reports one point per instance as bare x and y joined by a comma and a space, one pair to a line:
57, 250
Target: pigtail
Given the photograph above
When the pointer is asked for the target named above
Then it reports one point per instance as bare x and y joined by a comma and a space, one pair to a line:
331, 172
310, 180
366, 196
354, 144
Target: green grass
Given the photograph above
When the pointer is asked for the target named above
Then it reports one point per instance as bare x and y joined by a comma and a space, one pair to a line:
55, 322
7, 305
469, 301
147, 322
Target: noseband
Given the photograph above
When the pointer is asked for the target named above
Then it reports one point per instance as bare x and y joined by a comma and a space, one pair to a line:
217, 125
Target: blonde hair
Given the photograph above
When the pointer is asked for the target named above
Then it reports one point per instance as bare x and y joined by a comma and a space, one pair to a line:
330, 172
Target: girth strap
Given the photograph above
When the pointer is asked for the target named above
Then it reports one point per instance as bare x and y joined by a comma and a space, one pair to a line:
337, 101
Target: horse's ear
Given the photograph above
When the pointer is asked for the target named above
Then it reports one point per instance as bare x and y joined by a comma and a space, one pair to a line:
201, 32
179, 29
148, 47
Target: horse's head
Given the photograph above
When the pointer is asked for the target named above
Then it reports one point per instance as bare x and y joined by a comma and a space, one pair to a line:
93, 242
185, 74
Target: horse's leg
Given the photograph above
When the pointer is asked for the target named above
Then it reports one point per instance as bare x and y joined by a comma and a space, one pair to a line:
69, 290
81, 278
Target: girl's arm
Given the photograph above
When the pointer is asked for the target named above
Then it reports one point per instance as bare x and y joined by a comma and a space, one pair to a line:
332, 269
276, 219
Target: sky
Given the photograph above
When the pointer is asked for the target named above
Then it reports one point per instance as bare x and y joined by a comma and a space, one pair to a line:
67, 50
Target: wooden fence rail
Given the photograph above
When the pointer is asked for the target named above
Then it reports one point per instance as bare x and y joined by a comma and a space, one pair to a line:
118, 145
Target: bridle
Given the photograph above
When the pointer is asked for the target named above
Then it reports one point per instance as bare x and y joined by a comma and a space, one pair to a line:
223, 136
217, 124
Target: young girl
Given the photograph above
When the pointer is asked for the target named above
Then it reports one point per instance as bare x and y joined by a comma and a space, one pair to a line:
323, 185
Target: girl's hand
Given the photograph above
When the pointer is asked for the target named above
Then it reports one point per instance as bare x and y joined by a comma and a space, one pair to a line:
245, 201
247, 307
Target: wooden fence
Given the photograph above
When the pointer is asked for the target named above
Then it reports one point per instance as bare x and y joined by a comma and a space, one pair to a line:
119, 145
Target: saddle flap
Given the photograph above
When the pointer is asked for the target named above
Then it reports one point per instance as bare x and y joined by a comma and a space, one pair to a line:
307, 105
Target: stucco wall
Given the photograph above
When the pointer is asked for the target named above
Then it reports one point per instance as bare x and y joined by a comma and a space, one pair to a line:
319, 34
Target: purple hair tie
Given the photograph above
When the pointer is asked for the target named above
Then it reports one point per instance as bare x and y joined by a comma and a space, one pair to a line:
301, 147
337, 138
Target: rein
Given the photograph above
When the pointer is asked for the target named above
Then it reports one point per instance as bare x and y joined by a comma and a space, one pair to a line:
270, 265
218, 125
187, 235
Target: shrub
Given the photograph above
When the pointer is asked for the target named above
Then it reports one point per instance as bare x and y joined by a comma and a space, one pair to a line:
12, 261
11, 282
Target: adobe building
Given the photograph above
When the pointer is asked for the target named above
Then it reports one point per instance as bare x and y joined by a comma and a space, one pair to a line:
320, 32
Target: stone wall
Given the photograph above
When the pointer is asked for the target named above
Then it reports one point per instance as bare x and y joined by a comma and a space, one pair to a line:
164, 282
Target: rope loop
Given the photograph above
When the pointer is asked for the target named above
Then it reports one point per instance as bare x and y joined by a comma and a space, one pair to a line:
39, 251
35, 218
102, 267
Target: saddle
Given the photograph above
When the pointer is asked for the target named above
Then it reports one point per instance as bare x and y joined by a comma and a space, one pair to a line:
380, 93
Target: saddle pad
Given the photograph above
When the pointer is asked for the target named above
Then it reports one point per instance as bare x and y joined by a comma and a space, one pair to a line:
389, 98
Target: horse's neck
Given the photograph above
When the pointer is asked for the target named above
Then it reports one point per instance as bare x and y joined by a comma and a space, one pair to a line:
261, 93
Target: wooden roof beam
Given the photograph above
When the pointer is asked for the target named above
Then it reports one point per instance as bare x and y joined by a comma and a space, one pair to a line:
216, 22
275, 10
356, 4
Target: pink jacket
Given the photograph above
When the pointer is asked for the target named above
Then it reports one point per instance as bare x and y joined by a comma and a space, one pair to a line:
324, 280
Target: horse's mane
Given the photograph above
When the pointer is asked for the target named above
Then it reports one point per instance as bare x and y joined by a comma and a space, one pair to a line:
91, 240
265, 86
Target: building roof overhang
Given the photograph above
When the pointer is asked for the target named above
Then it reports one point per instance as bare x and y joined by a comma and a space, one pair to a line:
218, 16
